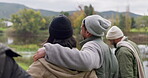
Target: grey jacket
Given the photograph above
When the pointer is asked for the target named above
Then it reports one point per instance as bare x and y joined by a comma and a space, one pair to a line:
88, 58
8, 67
91, 56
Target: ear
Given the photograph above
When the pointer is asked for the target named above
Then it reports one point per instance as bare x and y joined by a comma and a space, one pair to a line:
88, 34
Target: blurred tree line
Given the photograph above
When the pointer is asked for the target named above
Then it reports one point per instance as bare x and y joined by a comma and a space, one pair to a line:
31, 21
130, 24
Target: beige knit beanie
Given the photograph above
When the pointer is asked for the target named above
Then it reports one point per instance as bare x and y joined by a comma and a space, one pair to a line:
114, 33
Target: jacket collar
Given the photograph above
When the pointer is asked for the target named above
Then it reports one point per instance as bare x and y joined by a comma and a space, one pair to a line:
88, 39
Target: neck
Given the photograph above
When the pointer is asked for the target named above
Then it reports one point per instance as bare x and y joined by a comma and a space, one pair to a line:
88, 39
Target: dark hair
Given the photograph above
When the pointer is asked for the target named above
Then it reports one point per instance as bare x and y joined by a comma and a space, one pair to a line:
84, 24
69, 42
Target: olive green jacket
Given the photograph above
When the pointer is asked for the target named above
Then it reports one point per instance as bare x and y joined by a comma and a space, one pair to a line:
128, 67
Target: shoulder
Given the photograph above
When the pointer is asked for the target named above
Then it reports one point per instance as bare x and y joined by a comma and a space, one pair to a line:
124, 51
91, 43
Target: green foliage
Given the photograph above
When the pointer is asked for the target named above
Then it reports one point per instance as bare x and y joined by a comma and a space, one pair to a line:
89, 10
2, 29
133, 23
28, 21
143, 29
47, 21
116, 22
24, 66
76, 19
122, 22
127, 22
141, 24
142, 21
64, 13
29, 47
24, 62
2, 24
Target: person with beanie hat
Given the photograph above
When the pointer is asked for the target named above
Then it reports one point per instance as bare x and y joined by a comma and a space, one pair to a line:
61, 33
94, 54
60, 28
114, 33
127, 53
96, 25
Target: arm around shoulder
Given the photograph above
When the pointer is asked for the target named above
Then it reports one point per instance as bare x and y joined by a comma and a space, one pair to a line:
71, 58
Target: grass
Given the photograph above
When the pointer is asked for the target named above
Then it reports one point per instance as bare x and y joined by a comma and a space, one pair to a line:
29, 47
23, 65
24, 62
2, 29
145, 29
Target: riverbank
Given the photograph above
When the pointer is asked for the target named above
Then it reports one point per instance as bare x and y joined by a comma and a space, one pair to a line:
138, 37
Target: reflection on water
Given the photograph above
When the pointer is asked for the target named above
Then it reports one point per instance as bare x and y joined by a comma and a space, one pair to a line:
9, 40
143, 48
21, 39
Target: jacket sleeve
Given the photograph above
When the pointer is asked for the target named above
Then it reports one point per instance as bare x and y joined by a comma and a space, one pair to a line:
84, 60
125, 60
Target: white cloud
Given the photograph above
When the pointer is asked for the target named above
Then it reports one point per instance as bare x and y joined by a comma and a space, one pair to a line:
136, 6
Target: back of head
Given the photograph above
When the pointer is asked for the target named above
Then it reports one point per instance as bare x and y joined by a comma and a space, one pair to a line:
96, 25
60, 28
114, 33
61, 31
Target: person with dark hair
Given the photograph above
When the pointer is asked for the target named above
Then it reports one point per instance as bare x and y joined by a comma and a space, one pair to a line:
61, 33
94, 54
8, 67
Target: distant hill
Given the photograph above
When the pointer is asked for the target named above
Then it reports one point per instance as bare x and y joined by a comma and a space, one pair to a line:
7, 9
48, 13
109, 14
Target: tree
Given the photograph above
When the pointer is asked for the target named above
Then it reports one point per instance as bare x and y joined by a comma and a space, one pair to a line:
117, 20
64, 13
2, 24
76, 19
28, 21
122, 22
127, 20
133, 23
47, 22
142, 22
89, 10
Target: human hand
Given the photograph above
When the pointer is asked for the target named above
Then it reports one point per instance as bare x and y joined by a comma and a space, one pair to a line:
40, 54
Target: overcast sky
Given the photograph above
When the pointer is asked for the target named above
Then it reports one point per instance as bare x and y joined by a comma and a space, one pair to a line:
136, 6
